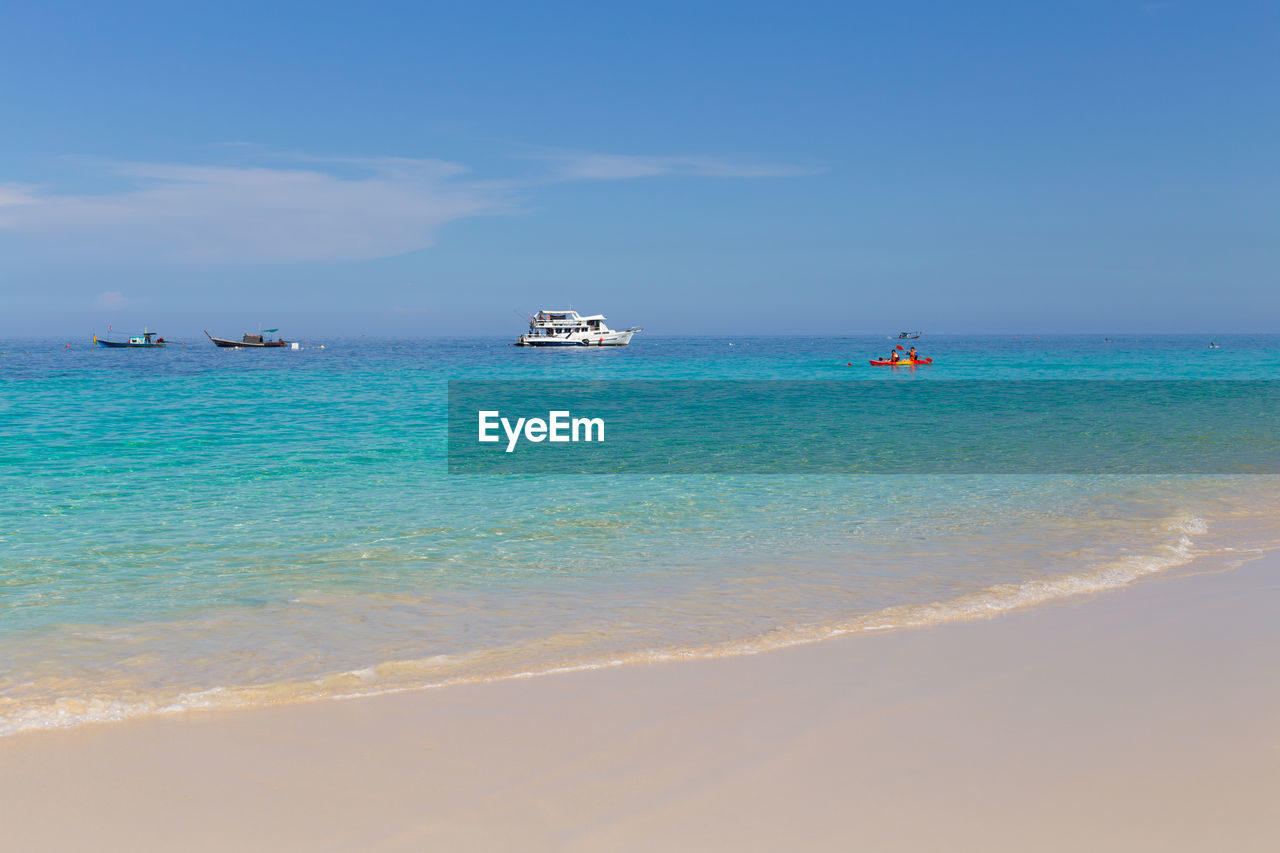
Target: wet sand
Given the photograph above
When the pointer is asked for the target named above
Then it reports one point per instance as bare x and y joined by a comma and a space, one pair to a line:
1146, 718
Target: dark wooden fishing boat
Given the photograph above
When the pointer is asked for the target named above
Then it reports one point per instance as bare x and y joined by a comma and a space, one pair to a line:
141, 341
254, 341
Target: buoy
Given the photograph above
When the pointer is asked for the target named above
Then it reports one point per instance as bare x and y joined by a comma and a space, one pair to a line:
850, 364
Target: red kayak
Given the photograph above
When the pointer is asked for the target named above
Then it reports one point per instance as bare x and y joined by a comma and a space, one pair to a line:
882, 361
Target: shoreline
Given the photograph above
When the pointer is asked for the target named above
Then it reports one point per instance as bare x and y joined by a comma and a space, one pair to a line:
1139, 718
1171, 558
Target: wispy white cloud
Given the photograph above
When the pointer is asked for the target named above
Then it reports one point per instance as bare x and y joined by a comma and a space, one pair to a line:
590, 166
217, 214
310, 209
13, 195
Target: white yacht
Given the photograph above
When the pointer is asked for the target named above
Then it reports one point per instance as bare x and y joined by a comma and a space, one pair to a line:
569, 328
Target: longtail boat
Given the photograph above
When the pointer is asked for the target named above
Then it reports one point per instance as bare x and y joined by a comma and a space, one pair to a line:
254, 341
136, 342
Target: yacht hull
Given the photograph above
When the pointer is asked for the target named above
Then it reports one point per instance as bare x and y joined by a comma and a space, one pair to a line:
612, 339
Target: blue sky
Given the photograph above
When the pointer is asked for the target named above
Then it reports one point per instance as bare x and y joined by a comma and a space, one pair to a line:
437, 168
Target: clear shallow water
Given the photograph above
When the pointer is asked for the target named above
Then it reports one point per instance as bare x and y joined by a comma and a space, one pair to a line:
201, 527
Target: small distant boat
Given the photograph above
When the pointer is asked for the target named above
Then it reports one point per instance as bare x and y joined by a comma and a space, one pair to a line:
1213, 345
908, 336
569, 328
254, 341
141, 341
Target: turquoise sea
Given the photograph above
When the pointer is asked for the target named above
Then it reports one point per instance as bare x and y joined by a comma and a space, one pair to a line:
195, 527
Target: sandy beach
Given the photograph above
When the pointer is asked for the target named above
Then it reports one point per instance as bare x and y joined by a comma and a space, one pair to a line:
1143, 719
725, 427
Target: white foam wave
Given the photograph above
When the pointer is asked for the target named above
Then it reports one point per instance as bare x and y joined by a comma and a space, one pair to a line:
1002, 598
